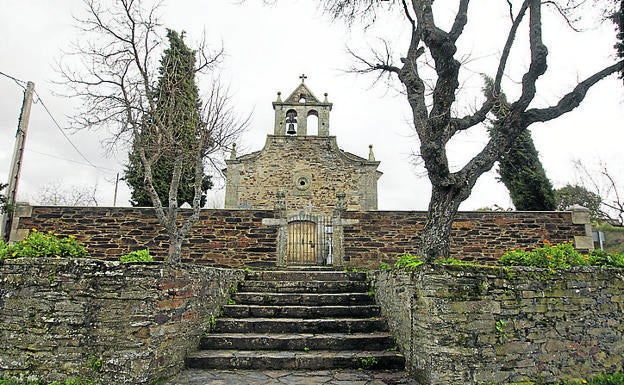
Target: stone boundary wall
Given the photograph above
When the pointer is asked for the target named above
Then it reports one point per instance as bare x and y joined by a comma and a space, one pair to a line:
239, 238
139, 320
476, 236
221, 238
491, 325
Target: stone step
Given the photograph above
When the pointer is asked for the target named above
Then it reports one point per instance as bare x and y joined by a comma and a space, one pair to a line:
299, 325
323, 359
305, 275
305, 299
305, 286
298, 342
300, 318
243, 311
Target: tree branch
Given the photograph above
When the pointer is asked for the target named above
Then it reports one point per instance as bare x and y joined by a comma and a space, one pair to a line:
460, 20
407, 14
572, 99
382, 63
539, 53
480, 115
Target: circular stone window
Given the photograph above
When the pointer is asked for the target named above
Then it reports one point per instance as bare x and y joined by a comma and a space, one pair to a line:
302, 183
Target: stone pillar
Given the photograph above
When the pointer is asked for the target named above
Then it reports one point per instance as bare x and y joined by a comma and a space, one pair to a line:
323, 119
337, 240
280, 204
281, 221
338, 225
232, 183
302, 121
581, 216
280, 116
22, 210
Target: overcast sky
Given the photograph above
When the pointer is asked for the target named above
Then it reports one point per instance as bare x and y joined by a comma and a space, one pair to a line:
268, 47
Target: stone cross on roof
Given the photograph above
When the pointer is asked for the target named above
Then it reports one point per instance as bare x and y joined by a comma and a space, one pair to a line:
303, 77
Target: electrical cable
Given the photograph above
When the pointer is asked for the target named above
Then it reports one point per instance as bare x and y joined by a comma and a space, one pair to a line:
71, 160
63, 132
19, 82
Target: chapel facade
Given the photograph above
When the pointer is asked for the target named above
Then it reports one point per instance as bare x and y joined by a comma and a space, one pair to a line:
301, 165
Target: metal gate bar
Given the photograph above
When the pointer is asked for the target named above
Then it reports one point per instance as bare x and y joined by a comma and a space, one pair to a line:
309, 240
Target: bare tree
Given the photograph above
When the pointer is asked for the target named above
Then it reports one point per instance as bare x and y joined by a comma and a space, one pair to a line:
117, 82
54, 194
434, 116
602, 182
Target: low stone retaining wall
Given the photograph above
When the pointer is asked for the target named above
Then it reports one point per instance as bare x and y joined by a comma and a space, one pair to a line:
476, 236
221, 238
251, 238
59, 317
491, 325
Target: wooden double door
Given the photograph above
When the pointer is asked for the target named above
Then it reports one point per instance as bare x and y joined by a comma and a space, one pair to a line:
309, 241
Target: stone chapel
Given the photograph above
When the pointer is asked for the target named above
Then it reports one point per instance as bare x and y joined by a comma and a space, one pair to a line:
301, 165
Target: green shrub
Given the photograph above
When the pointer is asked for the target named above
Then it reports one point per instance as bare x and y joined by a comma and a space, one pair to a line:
602, 379
562, 255
550, 256
603, 258
94, 363
368, 362
408, 262
41, 245
384, 266
453, 261
137, 256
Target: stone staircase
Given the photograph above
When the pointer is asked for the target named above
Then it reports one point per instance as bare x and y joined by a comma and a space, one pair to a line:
299, 319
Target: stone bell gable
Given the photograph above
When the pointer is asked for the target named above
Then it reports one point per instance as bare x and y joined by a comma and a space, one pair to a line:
291, 115
309, 169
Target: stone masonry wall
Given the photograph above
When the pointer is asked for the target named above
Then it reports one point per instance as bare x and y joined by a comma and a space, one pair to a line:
139, 320
476, 236
221, 238
238, 238
308, 169
480, 325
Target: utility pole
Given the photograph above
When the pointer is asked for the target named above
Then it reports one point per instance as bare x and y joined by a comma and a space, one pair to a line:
116, 185
16, 164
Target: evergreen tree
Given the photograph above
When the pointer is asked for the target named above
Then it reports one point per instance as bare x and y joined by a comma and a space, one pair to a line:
3, 198
571, 195
618, 20
520, 168
176, 91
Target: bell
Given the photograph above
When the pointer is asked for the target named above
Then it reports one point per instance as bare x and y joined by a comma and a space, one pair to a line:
291, 129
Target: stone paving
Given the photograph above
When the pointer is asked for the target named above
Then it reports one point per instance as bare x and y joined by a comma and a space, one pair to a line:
286, 377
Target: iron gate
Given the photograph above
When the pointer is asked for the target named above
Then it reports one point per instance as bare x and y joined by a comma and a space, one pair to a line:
309, 240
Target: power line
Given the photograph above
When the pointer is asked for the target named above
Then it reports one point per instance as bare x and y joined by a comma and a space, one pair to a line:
70, 160
63, 132
19, 82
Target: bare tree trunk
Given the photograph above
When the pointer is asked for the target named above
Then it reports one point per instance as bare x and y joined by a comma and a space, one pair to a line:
435, 239
175, 248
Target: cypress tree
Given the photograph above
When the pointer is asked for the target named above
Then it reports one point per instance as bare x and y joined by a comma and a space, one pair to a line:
618, 20
520, 169
3, 198
177, 105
